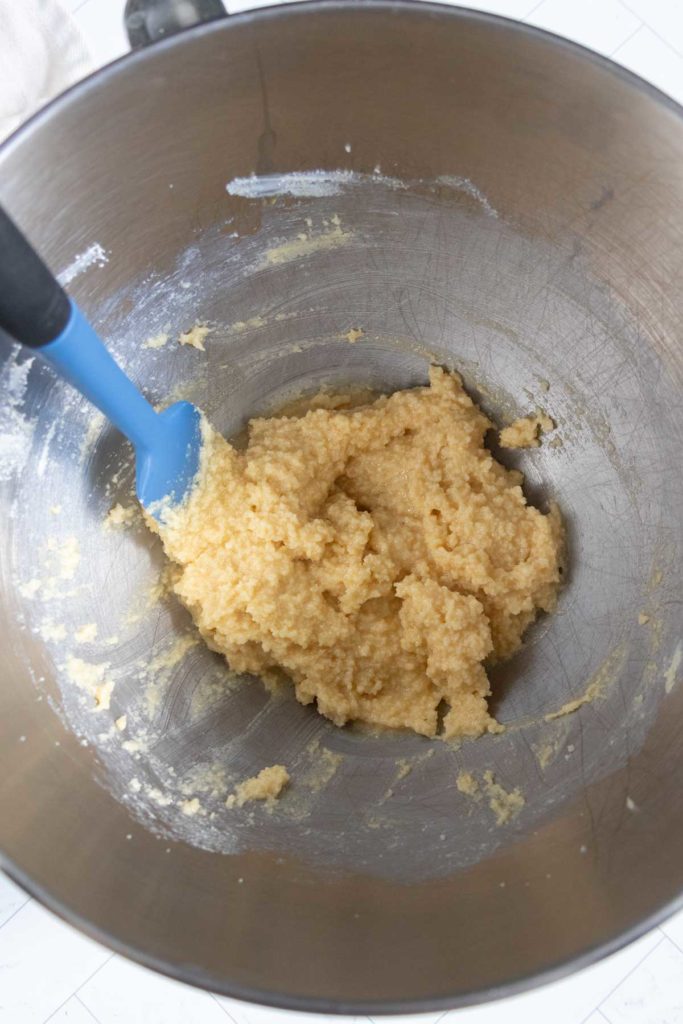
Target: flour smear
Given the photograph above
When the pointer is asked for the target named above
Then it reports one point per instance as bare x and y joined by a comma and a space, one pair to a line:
320, 183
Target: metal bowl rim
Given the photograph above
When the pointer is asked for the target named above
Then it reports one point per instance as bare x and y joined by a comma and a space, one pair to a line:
194, 975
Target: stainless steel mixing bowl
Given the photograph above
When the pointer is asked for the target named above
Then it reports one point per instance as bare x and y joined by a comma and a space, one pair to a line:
525, 225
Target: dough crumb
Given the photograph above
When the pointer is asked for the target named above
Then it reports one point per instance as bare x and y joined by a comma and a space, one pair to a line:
573, 705
544, 385
165, 800
195, 337
86, 634
643, 619
30, 588
545, 754
55, 510
134, 747
506, 806
156, 341
190, 807
267, 785
595, 690
172, 656
121, 723
525, 431
149, 597
91, 678
671, 674
307, 243
119, 517
66, 554
354, 335
375, 554
468, 785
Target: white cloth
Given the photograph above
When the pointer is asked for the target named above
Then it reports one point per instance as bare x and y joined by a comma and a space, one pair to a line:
41, 53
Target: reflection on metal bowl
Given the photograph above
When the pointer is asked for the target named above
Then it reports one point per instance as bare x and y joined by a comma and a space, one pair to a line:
497, 201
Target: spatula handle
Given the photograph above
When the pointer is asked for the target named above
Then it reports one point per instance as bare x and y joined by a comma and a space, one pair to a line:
34, 308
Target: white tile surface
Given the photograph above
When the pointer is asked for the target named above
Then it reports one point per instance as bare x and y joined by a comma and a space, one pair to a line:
50, 972
653, 59
518, 9
124, 993
11, 898
73, 1012
42, 962
601, 26
674, 929
234, 6
664, 17
244, 1013
568, 1001
651, 995
101, 22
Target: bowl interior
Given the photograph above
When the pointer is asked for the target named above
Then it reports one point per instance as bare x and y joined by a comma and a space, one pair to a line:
535, 303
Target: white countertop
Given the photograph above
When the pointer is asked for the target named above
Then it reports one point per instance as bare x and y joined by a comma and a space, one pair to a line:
50, 972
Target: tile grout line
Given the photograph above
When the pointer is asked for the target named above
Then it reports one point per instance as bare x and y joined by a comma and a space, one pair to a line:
77, 990
641, 24
615, 53
592, 1014
96, 971
627, 40
665, 42
15, 912
667, 936
86, 1008
218, 1003
622, 3
634, 968
653, 30
534, 8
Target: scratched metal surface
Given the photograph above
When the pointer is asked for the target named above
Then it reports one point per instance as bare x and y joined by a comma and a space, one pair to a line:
553, 254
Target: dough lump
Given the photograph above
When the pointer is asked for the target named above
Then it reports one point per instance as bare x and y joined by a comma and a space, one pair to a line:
376, 555
524, 432
267, 785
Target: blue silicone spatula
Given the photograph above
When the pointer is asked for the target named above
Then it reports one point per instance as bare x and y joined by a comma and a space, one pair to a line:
36, 311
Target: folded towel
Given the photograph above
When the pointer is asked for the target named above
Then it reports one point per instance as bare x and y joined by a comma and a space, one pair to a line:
41, 53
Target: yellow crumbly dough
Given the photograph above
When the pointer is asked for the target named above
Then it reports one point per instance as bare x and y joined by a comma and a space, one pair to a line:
195, 337
524, 432
378, 555
267, 785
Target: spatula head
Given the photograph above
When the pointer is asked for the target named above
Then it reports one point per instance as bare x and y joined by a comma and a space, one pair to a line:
165, 473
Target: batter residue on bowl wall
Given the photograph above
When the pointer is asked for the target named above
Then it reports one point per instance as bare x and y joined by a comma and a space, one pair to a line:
377, 555
267, 785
